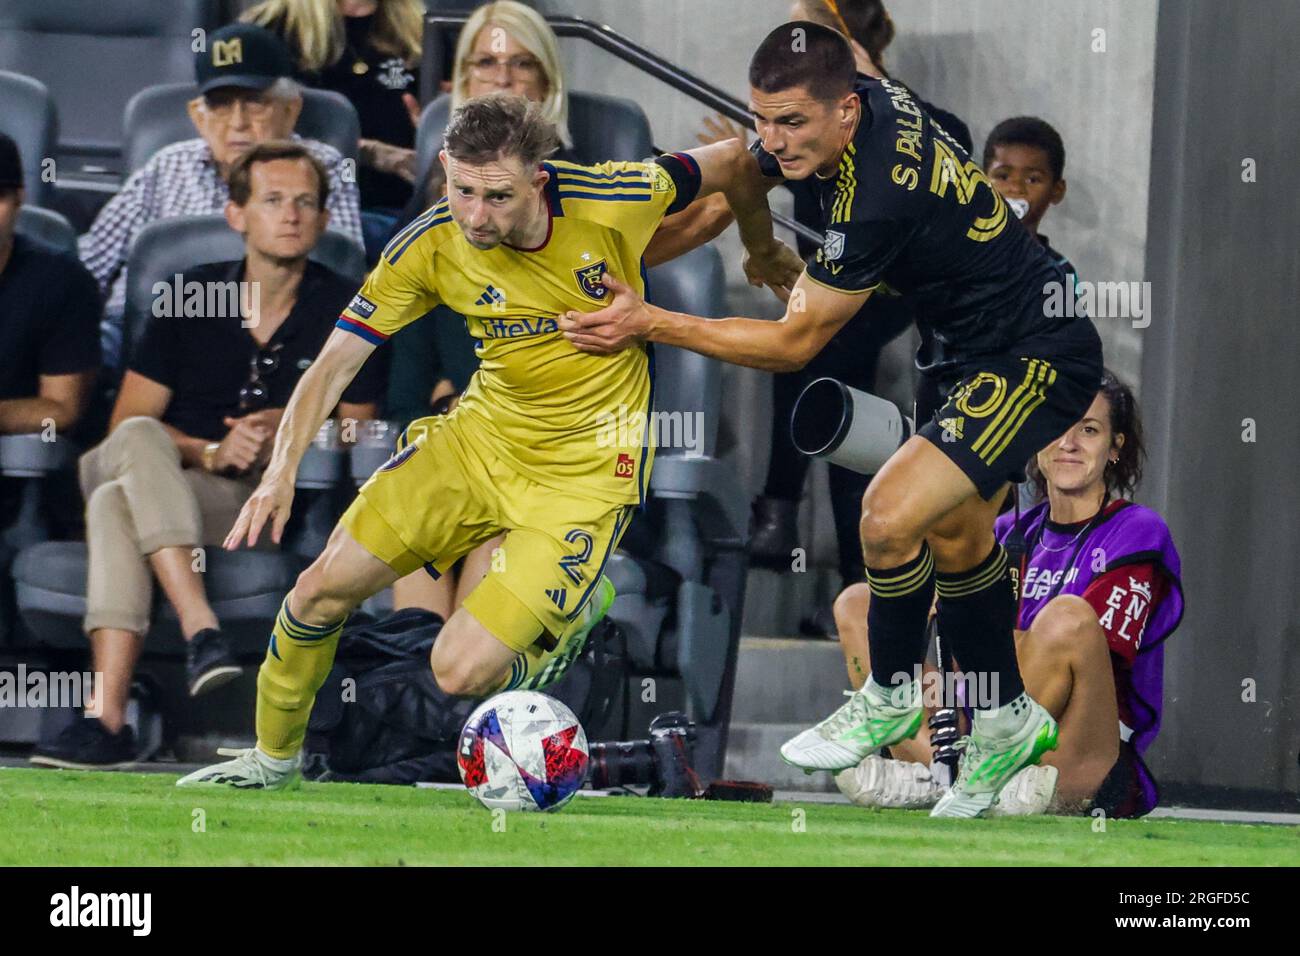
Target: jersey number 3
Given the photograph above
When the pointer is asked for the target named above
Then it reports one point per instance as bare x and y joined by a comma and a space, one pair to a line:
965, 178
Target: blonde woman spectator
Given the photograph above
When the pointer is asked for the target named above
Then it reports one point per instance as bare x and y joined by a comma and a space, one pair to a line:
368, 51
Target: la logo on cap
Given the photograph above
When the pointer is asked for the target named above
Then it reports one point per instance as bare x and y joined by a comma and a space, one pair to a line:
226, 52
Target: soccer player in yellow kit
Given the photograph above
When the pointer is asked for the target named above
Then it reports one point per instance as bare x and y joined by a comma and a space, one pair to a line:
517, 241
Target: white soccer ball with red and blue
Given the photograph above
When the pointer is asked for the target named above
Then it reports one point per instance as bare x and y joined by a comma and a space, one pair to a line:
522, 750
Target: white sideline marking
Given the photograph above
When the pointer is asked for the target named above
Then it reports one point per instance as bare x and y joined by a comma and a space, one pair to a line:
1160, 813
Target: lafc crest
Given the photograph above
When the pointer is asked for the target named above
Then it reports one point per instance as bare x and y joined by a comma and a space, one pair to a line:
228, 52
589, 280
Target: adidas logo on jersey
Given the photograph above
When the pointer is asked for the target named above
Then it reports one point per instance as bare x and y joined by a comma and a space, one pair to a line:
558, 596
491, 295
953, 426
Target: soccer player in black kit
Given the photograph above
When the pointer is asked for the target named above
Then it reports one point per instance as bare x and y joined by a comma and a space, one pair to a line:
903, 204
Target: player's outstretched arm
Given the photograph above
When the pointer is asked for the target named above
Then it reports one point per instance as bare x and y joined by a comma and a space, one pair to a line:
814, 313
316, 395
731, 169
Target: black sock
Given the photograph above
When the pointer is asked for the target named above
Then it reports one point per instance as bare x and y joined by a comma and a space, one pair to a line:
900, 606
977, 619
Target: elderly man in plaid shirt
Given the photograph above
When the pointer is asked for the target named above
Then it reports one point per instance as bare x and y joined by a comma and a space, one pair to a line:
247, 97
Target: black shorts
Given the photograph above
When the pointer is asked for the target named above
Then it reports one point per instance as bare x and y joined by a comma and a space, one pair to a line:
1002, 409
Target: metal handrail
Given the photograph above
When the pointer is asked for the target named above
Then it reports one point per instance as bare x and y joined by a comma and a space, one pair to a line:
614, 43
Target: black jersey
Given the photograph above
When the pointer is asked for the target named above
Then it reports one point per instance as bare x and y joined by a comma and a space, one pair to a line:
908, 208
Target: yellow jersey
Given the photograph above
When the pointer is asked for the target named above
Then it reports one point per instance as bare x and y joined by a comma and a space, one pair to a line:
567, 419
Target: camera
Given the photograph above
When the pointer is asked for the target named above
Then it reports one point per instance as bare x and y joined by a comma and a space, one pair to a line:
662, 762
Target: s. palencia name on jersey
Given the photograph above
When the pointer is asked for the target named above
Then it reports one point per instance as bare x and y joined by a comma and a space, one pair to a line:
909, 141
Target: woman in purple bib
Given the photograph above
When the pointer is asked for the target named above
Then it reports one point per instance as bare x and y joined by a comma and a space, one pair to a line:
1100, 592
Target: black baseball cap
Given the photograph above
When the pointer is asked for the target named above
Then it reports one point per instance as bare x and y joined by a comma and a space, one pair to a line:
11, 164
242, 55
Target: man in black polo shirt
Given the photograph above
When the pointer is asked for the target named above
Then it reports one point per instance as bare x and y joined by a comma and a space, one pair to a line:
49, 321
192, 430
904, 204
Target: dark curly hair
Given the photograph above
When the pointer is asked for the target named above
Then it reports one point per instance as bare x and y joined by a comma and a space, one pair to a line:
1028, 131
1123, 477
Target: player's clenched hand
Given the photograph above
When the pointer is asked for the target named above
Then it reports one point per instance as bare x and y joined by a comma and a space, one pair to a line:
625, 321
778, 267
270, 502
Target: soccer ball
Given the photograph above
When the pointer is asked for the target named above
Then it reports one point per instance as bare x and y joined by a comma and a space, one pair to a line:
522, 751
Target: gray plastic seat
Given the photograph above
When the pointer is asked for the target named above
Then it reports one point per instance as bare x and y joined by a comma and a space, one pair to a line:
157, 117
170, 246
603, 128
93, 56
30, 119
47, 226
245, 589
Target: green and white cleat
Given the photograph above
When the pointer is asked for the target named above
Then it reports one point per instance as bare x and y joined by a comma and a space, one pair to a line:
857, 730
988, 763
570, 646
250, 770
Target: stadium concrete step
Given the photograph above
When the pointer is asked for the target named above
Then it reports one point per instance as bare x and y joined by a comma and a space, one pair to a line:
783, 686
754, 753
787, 680
776, 602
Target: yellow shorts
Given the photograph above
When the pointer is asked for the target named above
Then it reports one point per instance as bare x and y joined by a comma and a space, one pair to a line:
445, 492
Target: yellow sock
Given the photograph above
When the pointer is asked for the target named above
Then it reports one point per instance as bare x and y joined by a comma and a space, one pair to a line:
297, 662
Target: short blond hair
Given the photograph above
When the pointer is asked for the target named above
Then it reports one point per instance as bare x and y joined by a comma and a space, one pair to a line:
526, 26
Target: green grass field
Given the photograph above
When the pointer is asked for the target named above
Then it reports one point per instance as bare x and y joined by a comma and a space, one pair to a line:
112, 819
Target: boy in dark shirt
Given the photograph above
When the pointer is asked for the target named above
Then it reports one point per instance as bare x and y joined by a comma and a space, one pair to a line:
1025, 159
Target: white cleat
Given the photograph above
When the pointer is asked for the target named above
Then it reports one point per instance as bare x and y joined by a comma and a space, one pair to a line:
859, 728
989, 763
889, 784
1028, 793
250, 770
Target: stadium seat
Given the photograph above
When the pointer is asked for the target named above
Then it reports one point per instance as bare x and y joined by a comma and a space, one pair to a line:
680, 575
157, 117
48, 227
31, 120
94, 56
26, 459
170, 246
603, 128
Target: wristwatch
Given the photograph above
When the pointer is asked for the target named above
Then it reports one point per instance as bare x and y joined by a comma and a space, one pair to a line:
210, 455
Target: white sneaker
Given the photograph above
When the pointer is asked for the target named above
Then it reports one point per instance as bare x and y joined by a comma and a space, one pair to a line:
250, 770
1028, 793
891, 784
856, 730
